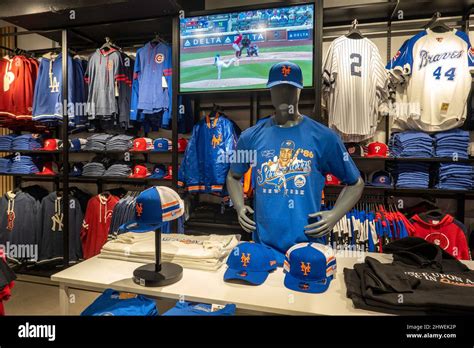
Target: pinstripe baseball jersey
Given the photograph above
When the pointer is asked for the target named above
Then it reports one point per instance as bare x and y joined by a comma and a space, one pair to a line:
435, 69
355, 87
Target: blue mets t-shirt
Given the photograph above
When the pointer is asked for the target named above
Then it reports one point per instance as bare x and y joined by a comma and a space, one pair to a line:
289, 165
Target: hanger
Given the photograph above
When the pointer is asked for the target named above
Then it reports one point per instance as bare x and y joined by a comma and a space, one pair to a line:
436, 25
354, 32
109, 45
215, 109
157, 39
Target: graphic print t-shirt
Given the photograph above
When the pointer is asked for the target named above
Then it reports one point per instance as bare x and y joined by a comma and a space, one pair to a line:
290, 165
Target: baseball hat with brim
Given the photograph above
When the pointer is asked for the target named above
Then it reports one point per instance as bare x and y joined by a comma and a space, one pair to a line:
162, 145
50, 145
380, 178
153, 207
309, 267
159, 172
354, 149
285, 73
139, 172
49, 168
250, 263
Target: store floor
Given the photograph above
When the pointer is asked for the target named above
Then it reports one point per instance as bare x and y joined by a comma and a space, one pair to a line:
39, 299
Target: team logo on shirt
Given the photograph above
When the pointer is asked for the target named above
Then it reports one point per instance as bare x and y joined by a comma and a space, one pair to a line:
54, 86
216, 141
245, 259
57, 222
427, 58
110, 65
305, 268
440, 239
10, 220
285, 168
159, 58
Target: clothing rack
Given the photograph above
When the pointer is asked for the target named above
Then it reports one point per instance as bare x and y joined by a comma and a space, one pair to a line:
334, 18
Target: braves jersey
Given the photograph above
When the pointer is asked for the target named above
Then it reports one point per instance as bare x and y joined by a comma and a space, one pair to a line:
152, 85
355, 87
289, 169
435, 68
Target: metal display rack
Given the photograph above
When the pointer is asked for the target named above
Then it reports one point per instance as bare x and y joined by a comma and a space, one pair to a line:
131, 23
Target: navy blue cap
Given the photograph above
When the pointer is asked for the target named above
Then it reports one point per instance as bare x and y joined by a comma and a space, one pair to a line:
285, 73
250, 262
76, 169
380, 178
159, 172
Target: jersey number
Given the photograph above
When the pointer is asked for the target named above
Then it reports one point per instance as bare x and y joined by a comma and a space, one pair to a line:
450, 74
356, 64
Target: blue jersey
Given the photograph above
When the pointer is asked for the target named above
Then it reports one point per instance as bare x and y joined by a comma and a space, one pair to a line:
47, 102
193, 309
152, 85
111, 303
291, 163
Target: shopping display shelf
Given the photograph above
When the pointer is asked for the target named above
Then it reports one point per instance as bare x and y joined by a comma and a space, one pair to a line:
414, 159
115, 179
32, 152
408, 191
121, 152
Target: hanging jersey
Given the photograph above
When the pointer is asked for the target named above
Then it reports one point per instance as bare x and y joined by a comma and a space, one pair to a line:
355, 87
290, 165
114, 303
436, 69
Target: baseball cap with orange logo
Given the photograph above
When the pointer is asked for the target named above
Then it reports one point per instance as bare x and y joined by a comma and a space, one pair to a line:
154, 206
251, 263
377, 149
285, 73
309, 267
140, 171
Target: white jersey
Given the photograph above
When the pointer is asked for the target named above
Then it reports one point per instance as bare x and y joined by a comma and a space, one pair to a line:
435, 71
355, 87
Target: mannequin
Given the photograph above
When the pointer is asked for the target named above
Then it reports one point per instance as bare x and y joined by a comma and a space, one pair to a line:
285, 98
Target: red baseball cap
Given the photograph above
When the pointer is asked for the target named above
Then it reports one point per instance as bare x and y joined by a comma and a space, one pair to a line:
332, 180
140, 171
50, 145
49, 168
182, 144
169, 176
377, 149
142, 144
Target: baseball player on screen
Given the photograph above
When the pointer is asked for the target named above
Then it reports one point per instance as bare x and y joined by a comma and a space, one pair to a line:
236, 45
219, 63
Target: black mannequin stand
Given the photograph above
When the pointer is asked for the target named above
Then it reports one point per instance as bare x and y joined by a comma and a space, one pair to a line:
158, 273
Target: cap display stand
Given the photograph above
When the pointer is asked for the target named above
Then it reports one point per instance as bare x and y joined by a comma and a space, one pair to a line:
158, 273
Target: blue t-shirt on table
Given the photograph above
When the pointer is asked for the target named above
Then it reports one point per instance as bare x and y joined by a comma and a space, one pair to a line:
290, 165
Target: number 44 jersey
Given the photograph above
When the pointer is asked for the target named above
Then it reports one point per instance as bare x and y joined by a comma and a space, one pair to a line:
355, 88
434, 69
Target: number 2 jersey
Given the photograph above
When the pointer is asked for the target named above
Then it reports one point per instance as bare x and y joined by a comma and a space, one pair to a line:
434, 72
355, 88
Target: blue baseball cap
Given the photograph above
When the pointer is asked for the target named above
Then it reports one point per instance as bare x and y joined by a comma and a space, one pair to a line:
154, 206
76, 169
309, 267
77, 144
285, 73
250, 262
159, 172
162, 145
380, 178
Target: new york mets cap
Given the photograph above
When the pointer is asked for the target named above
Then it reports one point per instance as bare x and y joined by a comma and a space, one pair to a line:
250, 262
285, 73
154, 206
309, 267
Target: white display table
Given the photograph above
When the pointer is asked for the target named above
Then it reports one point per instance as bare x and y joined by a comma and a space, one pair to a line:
98, 274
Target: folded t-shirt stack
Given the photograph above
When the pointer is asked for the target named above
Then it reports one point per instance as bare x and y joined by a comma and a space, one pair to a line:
5, 163
413, 175
453, 143
455, 176
96, 167
23, 165
198, 252
26, 142
411, 144
6, 142
97, 142
119, 142
119, 169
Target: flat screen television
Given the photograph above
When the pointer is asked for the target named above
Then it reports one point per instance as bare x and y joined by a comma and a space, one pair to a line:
234, 51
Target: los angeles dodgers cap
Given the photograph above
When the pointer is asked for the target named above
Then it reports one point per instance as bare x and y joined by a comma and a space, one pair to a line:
285, 73
154, 206
250, 262
309, 267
